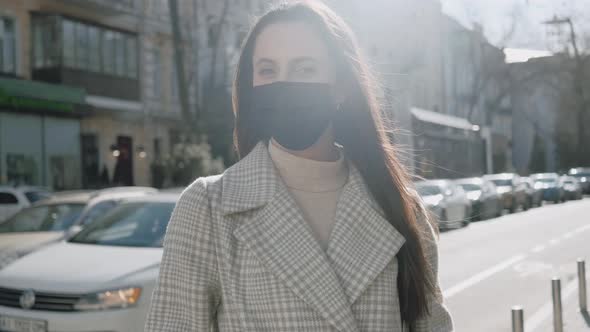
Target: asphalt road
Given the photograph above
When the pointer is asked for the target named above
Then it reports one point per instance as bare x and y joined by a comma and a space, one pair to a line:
490, 266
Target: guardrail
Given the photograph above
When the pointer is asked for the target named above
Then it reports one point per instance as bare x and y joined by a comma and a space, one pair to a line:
517, 312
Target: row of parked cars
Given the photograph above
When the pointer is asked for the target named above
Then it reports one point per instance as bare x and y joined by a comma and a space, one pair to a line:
88, 260
458, 202
83, 260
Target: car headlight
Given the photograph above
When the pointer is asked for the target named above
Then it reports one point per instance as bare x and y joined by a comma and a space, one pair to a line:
112, 299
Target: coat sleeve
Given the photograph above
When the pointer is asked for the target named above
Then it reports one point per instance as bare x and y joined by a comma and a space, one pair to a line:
439, 318
185, 297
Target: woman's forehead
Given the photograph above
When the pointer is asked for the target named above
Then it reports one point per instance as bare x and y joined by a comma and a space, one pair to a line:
289, 40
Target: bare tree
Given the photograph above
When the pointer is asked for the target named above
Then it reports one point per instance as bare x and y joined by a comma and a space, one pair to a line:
191, 156
214, 28
576, 66
179, 64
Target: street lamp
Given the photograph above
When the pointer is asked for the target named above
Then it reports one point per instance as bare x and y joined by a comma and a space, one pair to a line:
559, 21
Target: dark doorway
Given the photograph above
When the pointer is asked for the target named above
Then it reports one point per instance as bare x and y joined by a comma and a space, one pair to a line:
90, 175
123, 175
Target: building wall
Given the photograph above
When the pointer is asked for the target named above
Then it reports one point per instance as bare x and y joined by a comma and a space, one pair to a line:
401, 37
536, 107
18, 10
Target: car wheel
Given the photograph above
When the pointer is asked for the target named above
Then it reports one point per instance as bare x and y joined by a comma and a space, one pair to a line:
466, 218
513, 207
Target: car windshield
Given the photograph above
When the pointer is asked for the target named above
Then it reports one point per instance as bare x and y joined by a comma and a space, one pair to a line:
43, 218
428, 190
34, 196
470, 186
581, 174
546, 180
502, 182
96, 211
133, 224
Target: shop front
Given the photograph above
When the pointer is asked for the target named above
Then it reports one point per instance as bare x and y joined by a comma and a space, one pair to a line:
40, 134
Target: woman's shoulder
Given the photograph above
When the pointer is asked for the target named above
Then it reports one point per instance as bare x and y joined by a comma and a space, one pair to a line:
201, 190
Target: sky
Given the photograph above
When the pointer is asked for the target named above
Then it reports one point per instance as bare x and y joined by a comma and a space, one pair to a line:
497, 17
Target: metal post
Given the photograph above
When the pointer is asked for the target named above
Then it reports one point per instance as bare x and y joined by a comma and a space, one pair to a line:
582, 284
517, 319
557, 311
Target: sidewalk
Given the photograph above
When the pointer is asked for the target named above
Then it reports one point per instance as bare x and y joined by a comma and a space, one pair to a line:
573, 319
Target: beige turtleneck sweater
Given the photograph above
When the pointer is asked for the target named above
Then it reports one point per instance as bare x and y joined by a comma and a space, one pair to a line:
315, 186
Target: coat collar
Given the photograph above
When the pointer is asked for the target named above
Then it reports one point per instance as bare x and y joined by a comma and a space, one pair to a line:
361, 244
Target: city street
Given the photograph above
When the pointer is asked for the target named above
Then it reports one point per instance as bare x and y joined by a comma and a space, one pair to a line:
490, 266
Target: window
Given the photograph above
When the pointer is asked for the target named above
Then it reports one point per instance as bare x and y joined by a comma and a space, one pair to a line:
61, 41
82, 46
43, 218
131, 57
69, 43
134, 224
108, 52
157, 74
7, 45
119, 44
97, 211
34, 196
94, 49
46, 50
8, 198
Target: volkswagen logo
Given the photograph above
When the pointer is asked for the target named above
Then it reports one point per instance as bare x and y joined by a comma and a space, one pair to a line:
27, 299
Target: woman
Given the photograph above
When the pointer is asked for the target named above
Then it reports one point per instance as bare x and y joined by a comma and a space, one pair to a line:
302, 234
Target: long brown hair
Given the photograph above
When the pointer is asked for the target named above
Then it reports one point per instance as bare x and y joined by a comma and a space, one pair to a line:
360, 129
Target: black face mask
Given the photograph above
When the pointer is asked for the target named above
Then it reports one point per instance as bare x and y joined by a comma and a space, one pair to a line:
295, 114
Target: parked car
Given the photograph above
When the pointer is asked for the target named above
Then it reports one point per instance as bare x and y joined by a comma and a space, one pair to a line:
447, 201
101, 278
14, 199
583, 175
56, 218
534, 194
510, 188
571, 187
550, 185
485, 201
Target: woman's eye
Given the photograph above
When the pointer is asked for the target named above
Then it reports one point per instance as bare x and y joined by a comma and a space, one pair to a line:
306, 70
266, 72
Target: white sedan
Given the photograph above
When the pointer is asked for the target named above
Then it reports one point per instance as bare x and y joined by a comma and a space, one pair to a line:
101, 279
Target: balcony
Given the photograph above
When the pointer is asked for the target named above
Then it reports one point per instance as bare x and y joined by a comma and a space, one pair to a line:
102, 61
104, 7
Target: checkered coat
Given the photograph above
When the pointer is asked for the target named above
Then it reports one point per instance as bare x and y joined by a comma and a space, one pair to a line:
238, 256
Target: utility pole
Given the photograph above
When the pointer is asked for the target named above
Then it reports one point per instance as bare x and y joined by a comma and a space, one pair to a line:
578, 75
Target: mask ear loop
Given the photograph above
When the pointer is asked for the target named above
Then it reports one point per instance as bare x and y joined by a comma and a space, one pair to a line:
338, 117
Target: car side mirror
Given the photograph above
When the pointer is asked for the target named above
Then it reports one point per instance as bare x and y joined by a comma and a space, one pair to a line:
73, 231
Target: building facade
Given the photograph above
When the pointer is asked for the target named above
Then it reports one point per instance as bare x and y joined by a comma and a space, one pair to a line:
93, 87
426, 64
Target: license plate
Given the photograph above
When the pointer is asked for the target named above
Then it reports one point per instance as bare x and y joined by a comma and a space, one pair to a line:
16, 324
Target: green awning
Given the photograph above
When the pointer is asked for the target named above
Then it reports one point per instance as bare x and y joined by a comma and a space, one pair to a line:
24, 94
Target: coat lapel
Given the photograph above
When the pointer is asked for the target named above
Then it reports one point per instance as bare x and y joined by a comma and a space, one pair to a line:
361, 244
362, 241
282, 239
